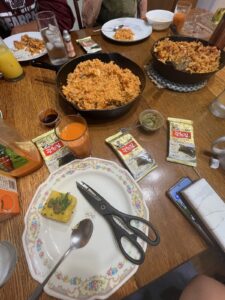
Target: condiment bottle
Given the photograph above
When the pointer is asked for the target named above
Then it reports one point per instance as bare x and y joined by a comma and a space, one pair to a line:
218, 36
68, 44
18, 157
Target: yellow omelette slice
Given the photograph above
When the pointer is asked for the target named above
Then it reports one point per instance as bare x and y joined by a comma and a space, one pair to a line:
59, 206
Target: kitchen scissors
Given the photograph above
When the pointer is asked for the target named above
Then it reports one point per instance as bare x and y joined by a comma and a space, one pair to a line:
110, 213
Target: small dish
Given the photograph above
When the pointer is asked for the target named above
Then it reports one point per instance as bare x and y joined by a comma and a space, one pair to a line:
8, 259
160, 19
151, 119
48, 117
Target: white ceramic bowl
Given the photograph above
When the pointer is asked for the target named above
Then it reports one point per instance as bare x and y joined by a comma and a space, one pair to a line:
159, 19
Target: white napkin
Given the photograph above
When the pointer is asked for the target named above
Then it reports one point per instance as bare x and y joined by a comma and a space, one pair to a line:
209, 207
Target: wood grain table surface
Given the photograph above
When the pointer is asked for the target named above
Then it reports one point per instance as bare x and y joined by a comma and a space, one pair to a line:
21, 102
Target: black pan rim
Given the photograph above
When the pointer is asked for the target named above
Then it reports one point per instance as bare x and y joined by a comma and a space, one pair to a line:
187, 38
110, 56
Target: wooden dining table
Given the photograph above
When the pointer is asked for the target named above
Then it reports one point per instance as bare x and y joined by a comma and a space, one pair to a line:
21, 102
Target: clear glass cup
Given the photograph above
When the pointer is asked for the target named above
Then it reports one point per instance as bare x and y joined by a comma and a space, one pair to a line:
52, 37
9, 66
181, 11
217, 107
72, 130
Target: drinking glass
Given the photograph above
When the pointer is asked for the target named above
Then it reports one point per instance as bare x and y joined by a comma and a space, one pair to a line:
9, 66
182, 9
72, 130
52, 37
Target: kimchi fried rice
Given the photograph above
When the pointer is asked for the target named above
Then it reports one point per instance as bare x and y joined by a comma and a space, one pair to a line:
98, 85
124, 34
194, 56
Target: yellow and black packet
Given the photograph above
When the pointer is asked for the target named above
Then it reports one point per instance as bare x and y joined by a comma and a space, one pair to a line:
181, 142
137, 160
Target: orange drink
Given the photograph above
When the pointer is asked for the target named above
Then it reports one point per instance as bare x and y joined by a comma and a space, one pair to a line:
9, 66
179, 19
72, 130
182, 8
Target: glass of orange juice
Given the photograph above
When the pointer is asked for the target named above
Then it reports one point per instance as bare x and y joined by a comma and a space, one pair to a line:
9, 66
72, 130
182, 9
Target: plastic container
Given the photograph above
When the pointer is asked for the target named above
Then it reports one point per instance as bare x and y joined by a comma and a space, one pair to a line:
151, 119
68, 44
9, 66
18, 157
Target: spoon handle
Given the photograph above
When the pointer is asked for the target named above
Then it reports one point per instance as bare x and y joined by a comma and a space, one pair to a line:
38, 290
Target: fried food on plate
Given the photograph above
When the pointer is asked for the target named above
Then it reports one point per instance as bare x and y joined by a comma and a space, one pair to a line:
32, 45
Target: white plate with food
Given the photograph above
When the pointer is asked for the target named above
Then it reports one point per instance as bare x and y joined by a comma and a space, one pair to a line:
26, 45
96, 270
126, 30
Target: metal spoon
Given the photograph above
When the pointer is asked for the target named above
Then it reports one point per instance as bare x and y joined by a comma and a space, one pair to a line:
8, 259
108, 29
79, 238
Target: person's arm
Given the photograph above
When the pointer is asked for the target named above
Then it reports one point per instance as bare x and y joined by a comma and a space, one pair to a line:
142, 8
90, 12
203, 288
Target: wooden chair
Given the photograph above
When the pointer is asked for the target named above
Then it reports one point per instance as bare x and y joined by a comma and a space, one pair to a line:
78, 14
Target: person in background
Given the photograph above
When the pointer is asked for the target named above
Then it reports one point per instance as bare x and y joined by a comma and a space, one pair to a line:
19, 15
100, 11
203, 288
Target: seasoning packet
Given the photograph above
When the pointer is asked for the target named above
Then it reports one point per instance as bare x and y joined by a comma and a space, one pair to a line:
53, 151
9, 200
137, 160
89, 45
181, 143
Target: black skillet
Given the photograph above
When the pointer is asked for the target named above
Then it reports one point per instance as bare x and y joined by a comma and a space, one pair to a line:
69, 67
168, 70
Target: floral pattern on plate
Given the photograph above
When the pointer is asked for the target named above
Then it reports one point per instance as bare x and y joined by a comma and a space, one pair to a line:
98, 269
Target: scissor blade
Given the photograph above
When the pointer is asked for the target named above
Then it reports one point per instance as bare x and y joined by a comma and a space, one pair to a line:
90, 197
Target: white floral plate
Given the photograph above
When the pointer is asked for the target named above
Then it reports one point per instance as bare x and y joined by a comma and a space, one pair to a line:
23, 55
98, 269
140, 28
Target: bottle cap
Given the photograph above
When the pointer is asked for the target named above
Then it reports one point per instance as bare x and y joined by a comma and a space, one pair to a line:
66, 36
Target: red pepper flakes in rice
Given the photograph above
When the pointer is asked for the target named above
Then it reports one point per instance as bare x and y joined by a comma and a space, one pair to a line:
98, 85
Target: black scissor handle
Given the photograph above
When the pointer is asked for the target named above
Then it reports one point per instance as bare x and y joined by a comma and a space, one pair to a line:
127, 220
120, 233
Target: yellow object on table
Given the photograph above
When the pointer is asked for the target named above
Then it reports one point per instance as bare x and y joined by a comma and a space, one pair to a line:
59, 206
9, 66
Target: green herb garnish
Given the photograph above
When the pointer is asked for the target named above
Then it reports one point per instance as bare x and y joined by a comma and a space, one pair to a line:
59, 204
